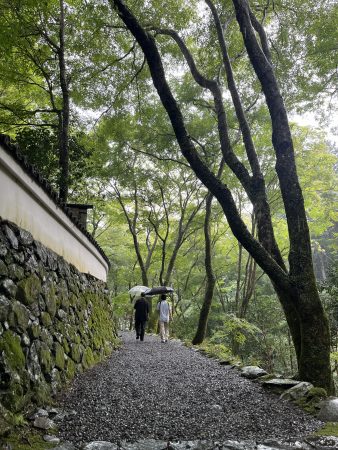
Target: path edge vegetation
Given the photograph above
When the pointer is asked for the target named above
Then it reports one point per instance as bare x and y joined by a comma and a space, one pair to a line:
296, 288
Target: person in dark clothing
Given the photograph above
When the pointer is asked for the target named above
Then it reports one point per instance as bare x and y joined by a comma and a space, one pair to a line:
141, 316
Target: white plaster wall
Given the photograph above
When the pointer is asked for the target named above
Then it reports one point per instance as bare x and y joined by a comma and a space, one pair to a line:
25, 203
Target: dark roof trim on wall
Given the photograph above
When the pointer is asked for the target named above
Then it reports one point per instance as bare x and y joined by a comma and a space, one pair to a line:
14, 152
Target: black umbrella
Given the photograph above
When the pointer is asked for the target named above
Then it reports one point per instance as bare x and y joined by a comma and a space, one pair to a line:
159, 290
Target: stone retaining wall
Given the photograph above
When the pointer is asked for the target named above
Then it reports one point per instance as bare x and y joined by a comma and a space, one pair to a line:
54, 320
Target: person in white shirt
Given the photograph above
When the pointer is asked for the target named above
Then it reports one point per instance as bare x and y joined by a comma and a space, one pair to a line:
164, 309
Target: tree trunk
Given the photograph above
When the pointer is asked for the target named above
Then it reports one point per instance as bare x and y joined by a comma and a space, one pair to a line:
210, 277
64, 117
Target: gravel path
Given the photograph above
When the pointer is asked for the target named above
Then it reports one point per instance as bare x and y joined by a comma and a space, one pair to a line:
169, 392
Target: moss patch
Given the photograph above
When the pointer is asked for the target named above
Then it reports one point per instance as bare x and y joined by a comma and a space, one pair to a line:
75, 353
42, 394
70, 369
318, 392
16, 399
10, 345
87, 358
59, 356
5, 423
310, 403
329, 429
29, 290
24, 438
219, 351
45, 358
46, 319
35, 330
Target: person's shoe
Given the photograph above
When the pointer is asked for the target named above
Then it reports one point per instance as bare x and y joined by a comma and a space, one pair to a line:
166, 340
137, 337
162, 341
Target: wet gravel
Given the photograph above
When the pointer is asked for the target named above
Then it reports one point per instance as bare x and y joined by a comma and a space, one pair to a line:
150, 390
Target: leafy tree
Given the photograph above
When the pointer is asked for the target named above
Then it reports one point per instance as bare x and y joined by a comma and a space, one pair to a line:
41, 147
39, 37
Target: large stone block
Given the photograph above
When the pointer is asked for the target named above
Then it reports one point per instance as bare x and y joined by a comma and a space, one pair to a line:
45, 357
29, 290
46, 337
11, 237
8, 287
15, 272
25, 237
329, 410
34, 329
59, 356
19, 316
46, 319
33, 364
48, 291
41, 251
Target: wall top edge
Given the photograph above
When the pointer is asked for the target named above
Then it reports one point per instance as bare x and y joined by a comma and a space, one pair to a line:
13, 151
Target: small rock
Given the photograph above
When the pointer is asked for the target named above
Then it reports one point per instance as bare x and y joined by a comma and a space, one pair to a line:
25, 340
217, 407
61, 314
52, 411
44, 423
41, 413
253, 372
100, 445
51, 439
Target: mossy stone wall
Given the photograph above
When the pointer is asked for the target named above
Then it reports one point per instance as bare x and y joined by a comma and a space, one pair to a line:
54, 320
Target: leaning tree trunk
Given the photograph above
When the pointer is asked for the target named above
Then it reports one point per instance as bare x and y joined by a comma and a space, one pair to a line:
296, 290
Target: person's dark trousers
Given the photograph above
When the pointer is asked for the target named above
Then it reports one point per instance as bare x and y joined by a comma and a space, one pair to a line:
140, 327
